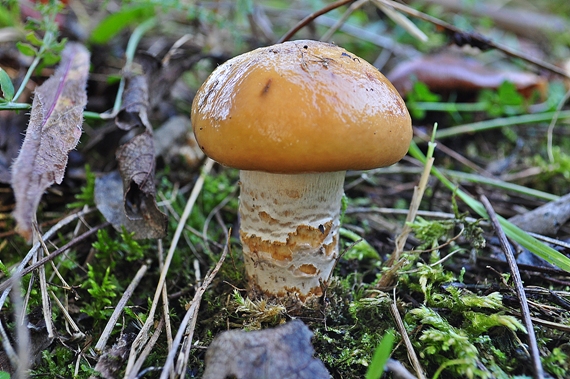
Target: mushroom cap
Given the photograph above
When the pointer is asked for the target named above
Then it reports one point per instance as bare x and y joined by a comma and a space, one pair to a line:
298, 107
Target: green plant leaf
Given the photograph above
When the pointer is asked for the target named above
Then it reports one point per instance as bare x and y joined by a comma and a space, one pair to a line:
380, 357
26, 49
116, 22
4, 375
51, 58
33, 39
6, 85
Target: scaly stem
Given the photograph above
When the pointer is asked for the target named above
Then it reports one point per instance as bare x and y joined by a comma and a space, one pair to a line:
289, 230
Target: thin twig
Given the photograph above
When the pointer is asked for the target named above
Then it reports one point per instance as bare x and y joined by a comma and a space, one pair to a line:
22, 332
333, 29
454, 154
402, 330
479, 39
442, 215
215, 211
165, 304
552, 124
399, 371
78, 333
534, 352
188, 324
413, 209
141, 337
401, 20
8, 283
46, 304
47, 235
119, 309
148, 347
301, 24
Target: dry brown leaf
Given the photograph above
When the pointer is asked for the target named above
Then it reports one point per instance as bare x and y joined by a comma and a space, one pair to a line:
282, 352
54, 130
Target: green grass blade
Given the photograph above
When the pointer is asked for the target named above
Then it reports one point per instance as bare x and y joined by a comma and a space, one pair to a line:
380, 357
500, 122
501, 184
512, 231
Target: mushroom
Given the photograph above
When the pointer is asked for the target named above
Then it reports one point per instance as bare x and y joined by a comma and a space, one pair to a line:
293, 117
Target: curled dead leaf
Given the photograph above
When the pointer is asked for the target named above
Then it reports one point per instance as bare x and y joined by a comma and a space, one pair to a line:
110, 202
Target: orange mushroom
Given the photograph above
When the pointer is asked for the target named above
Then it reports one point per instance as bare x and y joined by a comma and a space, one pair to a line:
293, 118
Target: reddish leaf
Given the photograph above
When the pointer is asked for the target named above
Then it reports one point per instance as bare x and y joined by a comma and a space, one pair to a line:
54, 130
446, 73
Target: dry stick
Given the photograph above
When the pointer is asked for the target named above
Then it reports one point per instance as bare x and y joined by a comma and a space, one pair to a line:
165, 307
186, 327
548, 324
442, 215
7, 284
401, 21
46, 304
119, 309
22, 332
413, 210
78, 333
535, 354
454, 154
148, 347
30, 287
333, 29
301, 24
7, 346
552, 124
402, 329
214, 212
477, 38
129, 373
398, 370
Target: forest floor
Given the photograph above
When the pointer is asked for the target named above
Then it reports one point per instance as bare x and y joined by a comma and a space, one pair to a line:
119, 240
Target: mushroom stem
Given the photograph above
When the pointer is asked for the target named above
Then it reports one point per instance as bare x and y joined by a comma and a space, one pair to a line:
289, 230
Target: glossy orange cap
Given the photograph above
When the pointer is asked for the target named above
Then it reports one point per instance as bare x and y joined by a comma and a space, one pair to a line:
298, 107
